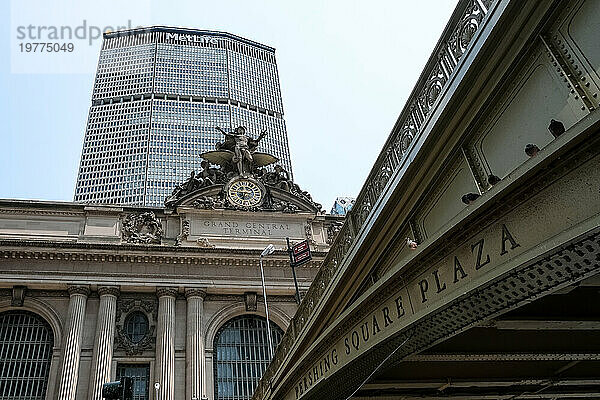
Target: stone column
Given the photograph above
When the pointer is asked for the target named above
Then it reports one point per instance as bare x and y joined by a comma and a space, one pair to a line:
165, 343
72, 346
103, 343
194, 348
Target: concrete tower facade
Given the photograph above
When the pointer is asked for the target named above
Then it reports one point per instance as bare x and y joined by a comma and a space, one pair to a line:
159, 95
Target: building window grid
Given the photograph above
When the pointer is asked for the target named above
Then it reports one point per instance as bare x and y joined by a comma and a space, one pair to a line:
180, 132
140, 375
113, 167
26, 343
124, 72
242, 356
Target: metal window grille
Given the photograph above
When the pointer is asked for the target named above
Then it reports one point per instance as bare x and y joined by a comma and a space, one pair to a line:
140, 374
136, 326
242, 356
26, 342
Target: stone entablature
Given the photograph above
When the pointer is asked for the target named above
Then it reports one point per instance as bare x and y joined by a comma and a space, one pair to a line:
185, 227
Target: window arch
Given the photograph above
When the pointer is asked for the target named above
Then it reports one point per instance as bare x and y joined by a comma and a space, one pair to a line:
241, 353
26, 342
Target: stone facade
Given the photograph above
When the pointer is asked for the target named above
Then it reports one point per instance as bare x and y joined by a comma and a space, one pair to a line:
85, 269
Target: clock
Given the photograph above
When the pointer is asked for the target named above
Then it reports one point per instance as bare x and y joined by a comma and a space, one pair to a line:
244, 192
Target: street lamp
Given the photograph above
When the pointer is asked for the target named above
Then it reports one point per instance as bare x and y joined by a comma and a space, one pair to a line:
267, 251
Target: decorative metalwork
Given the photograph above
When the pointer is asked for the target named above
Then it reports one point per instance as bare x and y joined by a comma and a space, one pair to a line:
136, 326
332, 231
140, 375
241, 356
26, 342
142, 228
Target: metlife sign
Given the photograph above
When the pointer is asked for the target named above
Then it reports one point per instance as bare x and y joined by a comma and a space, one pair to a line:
176, 37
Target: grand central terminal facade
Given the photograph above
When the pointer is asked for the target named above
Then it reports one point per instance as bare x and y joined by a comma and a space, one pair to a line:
170, 297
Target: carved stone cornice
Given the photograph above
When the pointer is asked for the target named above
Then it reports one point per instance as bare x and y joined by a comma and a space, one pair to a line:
109, 290
27, 211
125, 253
79, 289
259, 299
195, 292
166, 291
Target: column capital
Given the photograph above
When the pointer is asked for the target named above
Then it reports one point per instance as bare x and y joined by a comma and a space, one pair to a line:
79, 289
166, 291
195, 292
108, 290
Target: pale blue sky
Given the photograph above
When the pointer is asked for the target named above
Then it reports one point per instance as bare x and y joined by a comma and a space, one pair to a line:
346, 69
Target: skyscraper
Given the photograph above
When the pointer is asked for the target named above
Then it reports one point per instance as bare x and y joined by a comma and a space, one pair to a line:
159, 93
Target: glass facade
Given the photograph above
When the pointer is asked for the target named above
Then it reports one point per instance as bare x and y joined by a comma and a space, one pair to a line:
159, 94
241, 353
26, 343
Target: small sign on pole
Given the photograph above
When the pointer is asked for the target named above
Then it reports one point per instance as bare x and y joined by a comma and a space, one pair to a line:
299, 254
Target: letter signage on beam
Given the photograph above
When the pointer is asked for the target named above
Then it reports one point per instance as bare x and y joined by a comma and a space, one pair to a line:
523, 234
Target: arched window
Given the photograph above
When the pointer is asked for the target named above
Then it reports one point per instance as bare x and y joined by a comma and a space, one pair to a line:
26, 342
241, 353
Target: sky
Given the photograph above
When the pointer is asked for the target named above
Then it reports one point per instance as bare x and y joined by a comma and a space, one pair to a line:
346, 69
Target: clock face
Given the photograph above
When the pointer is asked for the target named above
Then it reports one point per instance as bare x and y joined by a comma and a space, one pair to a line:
244, 193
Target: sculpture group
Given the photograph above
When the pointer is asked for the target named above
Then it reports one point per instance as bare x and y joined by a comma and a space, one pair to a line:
235, 156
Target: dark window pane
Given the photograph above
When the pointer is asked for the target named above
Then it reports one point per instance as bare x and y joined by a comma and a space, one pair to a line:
140, 374
26, 342
136, 326
242, 356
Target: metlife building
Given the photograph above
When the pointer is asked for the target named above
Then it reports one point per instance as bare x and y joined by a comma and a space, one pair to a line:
158, 96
